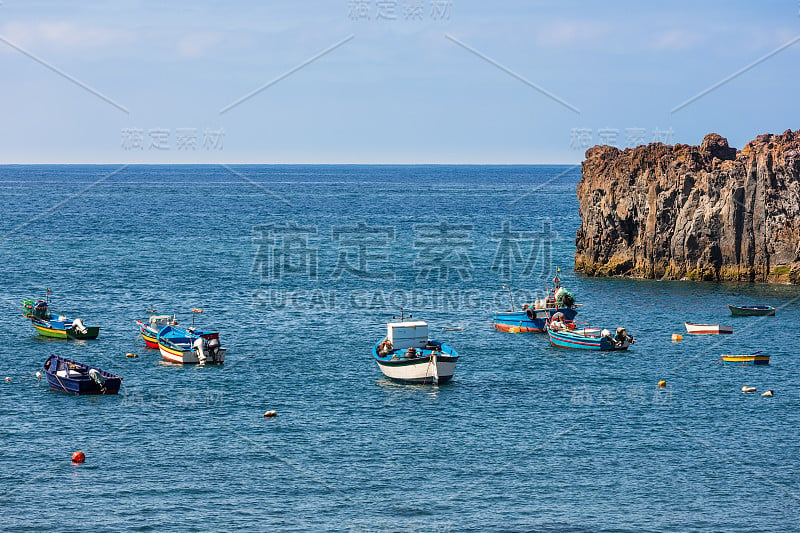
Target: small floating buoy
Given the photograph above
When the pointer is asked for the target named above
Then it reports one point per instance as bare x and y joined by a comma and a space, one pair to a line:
748, 389
270, 414
78, 457
8, 379
662, 384
131, 355
38, 375
677, 337
768, 393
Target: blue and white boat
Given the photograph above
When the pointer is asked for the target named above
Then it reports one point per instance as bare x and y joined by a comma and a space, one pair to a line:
190, 346
407, 355
568, 334
531, 317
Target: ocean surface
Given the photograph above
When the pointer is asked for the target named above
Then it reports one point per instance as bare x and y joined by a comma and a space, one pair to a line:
299, 268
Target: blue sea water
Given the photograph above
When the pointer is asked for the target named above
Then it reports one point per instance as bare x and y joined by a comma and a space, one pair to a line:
299, 268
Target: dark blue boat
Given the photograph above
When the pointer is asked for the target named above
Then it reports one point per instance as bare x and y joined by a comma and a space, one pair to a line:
751, 310
73, 377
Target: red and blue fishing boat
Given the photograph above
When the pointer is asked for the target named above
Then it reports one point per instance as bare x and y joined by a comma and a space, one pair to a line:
57, 326
532, 317
568, 334
72, 377
149, 328
190, 345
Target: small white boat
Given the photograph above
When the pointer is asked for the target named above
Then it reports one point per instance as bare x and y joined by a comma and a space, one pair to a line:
406, 354
707, 329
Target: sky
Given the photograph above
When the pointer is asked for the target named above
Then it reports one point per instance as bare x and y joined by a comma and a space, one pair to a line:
387, 81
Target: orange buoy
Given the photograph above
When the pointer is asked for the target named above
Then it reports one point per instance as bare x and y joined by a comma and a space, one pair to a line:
131, 355
677, 337
270, 414
662, 384
78, 458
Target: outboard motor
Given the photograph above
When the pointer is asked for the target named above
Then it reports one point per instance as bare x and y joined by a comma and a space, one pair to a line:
78, 326
213, 349
97, 378
199, 348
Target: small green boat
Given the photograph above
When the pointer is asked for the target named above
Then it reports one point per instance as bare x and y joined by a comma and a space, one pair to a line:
752, 310
49, 324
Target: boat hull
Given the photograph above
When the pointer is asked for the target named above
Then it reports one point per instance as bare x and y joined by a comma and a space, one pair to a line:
61, 378
751, 310
529, 322
397, 367
745, 359
187, 356
149, 336
585, 339
707, 329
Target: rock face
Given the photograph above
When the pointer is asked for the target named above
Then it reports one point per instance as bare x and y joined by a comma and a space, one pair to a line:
705, 212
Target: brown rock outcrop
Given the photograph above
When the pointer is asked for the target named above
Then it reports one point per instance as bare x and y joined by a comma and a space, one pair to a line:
705, 212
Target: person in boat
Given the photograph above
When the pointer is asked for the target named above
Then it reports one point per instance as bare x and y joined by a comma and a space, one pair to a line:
411, 353
384, 348
557, 322
621, 336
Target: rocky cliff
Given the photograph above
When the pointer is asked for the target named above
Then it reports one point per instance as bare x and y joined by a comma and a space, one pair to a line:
705, 212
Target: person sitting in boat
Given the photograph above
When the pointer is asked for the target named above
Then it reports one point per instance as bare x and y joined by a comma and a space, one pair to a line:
384, 348
411, 353
621, 336
557, 321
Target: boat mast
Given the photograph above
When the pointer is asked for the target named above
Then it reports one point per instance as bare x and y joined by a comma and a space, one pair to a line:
402, 316
510, 295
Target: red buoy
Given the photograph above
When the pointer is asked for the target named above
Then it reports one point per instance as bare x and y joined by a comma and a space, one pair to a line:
78, 458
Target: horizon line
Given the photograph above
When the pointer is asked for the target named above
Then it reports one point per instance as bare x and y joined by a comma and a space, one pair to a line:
2, 164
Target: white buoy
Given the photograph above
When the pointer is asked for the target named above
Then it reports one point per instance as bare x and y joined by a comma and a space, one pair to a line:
270, 414
8, 379
748, 389
38, 375
768, 393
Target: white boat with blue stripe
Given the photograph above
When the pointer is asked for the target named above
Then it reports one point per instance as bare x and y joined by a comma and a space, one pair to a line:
407, 355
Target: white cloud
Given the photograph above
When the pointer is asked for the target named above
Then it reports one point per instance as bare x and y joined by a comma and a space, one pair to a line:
571, 32
677, 39
197, 44
63, 35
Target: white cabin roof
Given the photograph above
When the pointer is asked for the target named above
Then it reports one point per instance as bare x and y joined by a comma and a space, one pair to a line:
408, 324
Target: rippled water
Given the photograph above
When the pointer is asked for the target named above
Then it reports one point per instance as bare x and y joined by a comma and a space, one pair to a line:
526, 436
